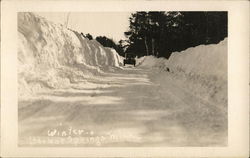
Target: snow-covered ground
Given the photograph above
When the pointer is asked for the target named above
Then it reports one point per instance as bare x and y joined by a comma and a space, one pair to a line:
74, 92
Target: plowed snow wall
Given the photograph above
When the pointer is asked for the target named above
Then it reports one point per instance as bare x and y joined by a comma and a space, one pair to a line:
205, 60
205, 67
201, 70
52, 56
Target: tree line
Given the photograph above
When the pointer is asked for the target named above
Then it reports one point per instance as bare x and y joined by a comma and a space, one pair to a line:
107, 42
161, 33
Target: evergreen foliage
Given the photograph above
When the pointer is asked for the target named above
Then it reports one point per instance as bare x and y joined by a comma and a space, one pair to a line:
161, 33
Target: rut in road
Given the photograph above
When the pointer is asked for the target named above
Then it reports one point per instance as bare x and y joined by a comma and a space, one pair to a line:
123, 108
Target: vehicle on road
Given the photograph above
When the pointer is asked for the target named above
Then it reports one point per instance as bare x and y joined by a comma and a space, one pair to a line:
129, 59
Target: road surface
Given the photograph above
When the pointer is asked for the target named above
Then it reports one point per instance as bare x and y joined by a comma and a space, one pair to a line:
129, 107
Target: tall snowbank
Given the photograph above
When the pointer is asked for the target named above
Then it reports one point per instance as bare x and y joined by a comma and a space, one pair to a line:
51, 56
202, 70
205, 60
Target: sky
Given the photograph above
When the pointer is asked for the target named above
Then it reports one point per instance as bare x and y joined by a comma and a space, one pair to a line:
109, 24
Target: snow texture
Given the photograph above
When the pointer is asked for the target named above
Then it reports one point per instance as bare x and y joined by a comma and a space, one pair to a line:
201, 69
51, 56
69, 82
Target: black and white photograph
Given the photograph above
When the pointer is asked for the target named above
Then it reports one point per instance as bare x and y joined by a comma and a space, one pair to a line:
122, 79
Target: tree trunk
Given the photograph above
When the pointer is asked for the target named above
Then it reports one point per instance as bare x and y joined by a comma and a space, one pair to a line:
146, 45
157, 49
153, 46
157, 53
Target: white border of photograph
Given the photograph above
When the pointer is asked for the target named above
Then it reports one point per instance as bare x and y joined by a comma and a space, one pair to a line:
238, 77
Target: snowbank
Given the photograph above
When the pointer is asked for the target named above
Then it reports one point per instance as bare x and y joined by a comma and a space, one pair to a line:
51, 56
205, 60
201, 69
153, 62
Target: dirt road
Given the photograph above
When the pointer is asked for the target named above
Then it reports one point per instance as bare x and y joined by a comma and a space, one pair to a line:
127, 107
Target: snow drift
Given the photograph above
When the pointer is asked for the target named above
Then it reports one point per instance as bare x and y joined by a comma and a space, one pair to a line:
201, 69
52, 56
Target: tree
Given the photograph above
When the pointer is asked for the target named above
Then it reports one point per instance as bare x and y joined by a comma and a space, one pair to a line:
107, 42
89, 36
138, 31
151, 30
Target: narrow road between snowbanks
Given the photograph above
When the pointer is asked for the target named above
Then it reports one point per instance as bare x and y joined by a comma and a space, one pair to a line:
128, 107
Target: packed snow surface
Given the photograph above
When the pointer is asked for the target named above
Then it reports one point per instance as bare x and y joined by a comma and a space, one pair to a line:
52, 56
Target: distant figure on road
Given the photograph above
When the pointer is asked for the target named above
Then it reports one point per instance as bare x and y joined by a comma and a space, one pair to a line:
129, 59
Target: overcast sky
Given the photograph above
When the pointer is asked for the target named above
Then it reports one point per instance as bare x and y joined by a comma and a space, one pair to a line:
110, 24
